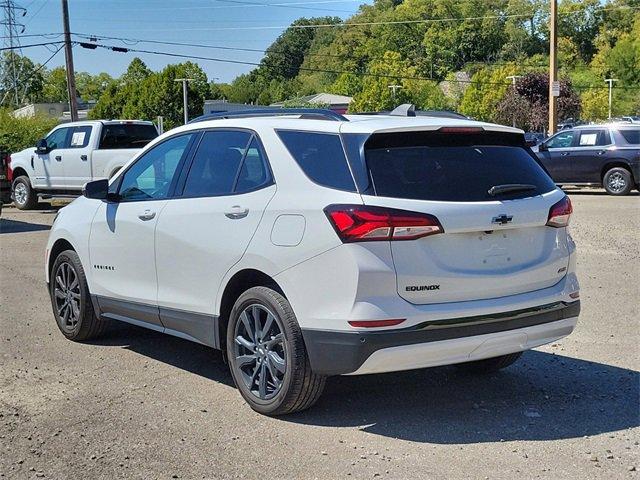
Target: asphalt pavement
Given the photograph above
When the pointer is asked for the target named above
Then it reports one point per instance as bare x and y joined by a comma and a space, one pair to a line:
138, 404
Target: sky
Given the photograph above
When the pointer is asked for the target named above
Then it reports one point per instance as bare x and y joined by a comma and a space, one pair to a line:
225, 23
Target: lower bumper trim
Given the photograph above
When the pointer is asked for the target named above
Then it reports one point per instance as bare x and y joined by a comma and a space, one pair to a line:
339, 353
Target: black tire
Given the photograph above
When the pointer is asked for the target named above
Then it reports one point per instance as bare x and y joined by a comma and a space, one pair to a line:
490, 365
299, 387
87, 325
26, 198
617, 181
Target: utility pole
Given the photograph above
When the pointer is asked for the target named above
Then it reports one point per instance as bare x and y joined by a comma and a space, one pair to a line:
610, 82
554, 89
513, 79
393, 92
185, 93
68, 55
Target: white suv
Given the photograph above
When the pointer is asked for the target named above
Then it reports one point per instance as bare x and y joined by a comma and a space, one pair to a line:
307, 244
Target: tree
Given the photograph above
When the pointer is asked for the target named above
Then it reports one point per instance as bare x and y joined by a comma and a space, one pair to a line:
527, 104
28, 76
137, 72
376, 93
54, 87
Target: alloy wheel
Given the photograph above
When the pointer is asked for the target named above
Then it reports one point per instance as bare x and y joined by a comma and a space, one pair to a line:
616, 182
260, 351
20, 193
67, 294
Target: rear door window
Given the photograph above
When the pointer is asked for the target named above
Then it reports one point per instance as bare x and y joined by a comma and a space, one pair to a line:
321, 157
463, 173
216, 164
126, 135
593, 138
80, 136
632, 136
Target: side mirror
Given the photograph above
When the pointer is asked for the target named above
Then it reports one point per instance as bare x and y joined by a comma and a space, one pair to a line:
42, 147
98, 189
543, 147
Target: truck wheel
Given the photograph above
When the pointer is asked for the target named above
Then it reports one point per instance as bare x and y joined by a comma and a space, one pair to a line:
71, 300
490, 365
24, 196
267, 355
617, 181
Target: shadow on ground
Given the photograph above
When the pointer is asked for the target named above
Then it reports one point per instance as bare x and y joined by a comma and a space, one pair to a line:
542, 397
16, 226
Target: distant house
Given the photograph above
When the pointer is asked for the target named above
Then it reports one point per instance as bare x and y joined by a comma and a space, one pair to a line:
337, 103
58, 110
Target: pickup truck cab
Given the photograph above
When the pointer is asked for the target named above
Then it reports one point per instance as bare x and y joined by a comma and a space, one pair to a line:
73, 154
594, 155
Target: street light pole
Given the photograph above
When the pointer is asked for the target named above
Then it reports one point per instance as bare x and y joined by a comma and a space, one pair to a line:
185, 94
513, 79
553, 66
610, 82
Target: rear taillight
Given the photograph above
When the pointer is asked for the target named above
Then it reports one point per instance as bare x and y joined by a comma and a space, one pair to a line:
560, 213
7, 162
360, 223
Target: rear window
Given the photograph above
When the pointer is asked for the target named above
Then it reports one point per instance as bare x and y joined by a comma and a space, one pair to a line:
321, 157
632, 136
126, 135
437, 170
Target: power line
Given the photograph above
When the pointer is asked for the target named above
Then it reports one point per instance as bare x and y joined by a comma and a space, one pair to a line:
20, 47
299, 6
387, 23
317, 70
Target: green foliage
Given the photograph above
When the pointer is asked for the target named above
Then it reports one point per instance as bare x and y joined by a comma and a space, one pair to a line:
29, 78
154, 94
19, 133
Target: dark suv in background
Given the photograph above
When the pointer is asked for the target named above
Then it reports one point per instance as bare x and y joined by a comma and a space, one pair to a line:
594, 155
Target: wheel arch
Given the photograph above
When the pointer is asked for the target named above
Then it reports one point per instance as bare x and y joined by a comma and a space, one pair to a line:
57, 248
239, 283
617, 164
20, 172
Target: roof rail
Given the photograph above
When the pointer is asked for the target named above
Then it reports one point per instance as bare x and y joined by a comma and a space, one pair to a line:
409, 110
308, 113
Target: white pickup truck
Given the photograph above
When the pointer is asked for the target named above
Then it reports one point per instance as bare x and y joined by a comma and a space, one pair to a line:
73, 154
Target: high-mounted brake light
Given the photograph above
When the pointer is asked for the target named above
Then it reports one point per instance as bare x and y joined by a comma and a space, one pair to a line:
560, 213
461, 130
361, 223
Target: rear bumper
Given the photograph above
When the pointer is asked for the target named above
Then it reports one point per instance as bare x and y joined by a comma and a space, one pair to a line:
439, 342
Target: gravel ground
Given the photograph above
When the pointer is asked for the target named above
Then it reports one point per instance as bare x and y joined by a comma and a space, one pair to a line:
137, 404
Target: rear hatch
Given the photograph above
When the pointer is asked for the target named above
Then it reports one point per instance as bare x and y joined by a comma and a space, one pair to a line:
493, 244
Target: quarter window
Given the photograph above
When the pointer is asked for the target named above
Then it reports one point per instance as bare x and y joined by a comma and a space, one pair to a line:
321, 157
561, 140
150, 177
226, 162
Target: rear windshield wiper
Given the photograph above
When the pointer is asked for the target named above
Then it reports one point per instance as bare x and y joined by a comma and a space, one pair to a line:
510, 187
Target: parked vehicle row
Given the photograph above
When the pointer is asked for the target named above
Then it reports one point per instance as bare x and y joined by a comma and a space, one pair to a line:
73, 154
306, 244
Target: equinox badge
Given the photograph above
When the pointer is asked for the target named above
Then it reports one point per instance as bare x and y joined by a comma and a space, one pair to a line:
502, 219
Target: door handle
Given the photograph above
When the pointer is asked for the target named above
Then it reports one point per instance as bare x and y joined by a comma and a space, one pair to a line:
602, 152
564, 154
83, 158
147, 215
58, 158
237, 212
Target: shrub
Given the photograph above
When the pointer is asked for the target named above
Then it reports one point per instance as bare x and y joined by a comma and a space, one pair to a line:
19, 133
